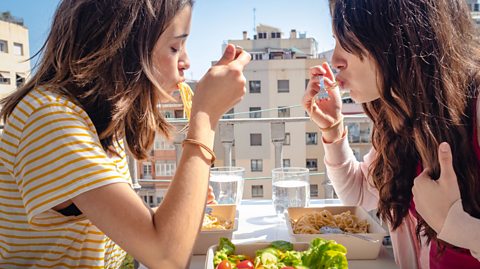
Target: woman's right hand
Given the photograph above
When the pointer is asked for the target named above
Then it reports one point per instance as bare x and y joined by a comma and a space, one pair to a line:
324, 112
222, 86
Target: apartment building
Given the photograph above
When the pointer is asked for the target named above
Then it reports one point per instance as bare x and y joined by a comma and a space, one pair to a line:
14, 53
154, 173
474, 6
276, 80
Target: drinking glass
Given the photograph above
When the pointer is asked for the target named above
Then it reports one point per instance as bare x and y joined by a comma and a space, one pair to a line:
290, 188
227, 184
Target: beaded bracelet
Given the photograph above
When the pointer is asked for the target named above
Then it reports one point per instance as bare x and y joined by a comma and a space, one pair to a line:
198, 143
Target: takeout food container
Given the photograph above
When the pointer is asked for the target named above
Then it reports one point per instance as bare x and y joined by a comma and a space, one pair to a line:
357, 249
205, 239
247, 249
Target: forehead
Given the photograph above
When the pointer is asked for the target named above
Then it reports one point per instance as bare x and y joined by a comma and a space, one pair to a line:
179, 27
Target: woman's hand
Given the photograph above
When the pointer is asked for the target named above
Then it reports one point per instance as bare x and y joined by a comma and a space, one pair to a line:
211, 197
433, 199
222, 86
325, 112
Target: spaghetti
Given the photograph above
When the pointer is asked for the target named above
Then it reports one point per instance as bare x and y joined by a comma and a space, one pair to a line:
186, 94
312, 222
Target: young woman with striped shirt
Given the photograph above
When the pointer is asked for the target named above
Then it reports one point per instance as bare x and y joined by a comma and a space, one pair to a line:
65, 195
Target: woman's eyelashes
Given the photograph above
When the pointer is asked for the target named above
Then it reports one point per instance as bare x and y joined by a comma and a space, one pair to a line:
174, 50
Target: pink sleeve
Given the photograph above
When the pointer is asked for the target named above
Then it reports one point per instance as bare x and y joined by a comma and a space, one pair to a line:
349, 176
461, 230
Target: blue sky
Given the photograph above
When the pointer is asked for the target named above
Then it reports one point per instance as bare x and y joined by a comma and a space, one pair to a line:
214, 22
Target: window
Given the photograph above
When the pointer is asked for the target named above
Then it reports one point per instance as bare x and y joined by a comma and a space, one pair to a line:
283, 112
3, 46
287, 139
254, 114
150, 199
229, 114
4, 77
365, 133
18, 49
311, 138
312, 164
476, 7
20, 79
256, 165
159, 200
257, 191
275, 35
165, 168
283, 85
254, 86
257, 56
286, 163
167, 114
313, 190
255, 139
162, 144
147, 170
178, 114
353, 132
262, 35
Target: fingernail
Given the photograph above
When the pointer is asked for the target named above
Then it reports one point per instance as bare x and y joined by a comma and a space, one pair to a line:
229, 48
444, 147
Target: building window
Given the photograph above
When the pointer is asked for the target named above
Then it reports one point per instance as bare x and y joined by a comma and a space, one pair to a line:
254, 114
3, 46
262, 35
287, 139
283, 112
229, 114
165, 168
257, 191
286, 163
353, 132
162, 144
275, 34
147, 170
256, 165
365, 133
311, 138
18, 49
313, 190
159, 200
167, 114
312, 164
20, 79
255, 139
283, 85
257, 56
254, 86
4, 77
178, 114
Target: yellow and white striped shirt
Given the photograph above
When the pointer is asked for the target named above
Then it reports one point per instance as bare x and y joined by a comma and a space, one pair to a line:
49, 153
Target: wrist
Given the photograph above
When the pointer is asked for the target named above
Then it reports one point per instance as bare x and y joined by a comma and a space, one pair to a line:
202, 128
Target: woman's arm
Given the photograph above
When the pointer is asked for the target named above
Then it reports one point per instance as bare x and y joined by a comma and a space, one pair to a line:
165, 238
349, 176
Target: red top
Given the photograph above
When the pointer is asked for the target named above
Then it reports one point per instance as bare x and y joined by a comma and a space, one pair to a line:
453, 257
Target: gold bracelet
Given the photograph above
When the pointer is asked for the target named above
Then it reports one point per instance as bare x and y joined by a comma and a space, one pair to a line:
333, 126
198, 143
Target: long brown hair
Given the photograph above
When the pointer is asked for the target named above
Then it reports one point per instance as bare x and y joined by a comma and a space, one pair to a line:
99, 53
427, 56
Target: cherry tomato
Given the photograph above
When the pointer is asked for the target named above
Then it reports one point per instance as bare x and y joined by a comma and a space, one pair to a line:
246, 264
224, 265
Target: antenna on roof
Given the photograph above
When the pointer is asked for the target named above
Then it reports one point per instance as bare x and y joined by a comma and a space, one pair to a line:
254, 28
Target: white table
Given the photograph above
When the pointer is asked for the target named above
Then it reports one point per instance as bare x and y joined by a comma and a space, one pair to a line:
257, 222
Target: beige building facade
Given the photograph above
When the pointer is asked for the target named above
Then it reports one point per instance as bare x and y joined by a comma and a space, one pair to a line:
14, 53
276, 80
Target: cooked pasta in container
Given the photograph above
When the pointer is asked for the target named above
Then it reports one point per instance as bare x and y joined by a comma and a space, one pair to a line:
304, 225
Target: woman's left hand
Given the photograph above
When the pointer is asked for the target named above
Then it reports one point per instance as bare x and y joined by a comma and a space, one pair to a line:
433, 199
211, 197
